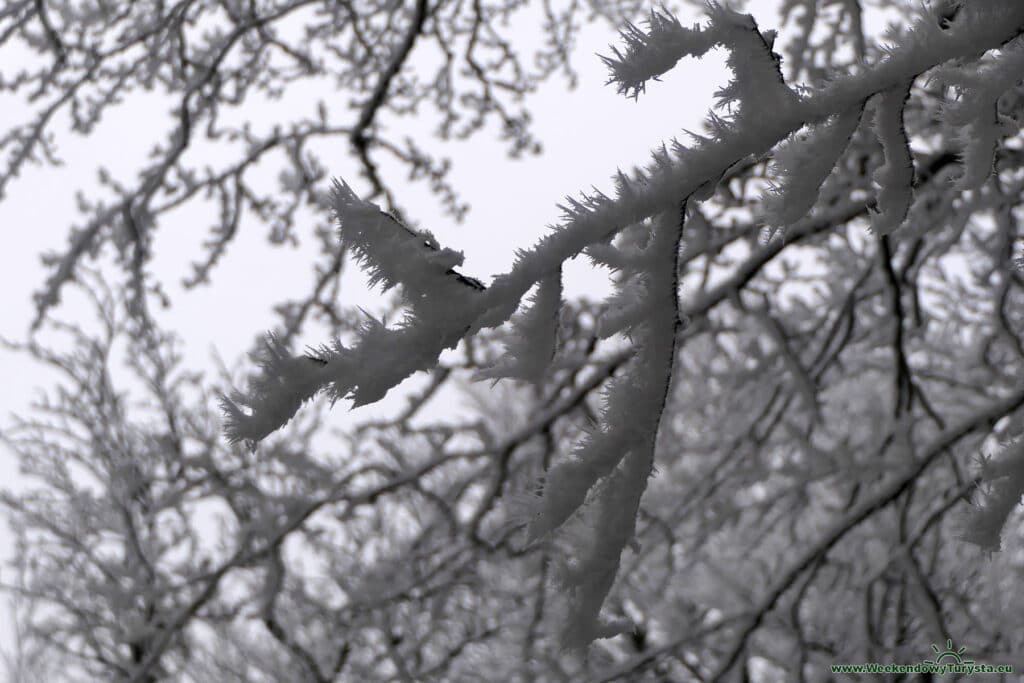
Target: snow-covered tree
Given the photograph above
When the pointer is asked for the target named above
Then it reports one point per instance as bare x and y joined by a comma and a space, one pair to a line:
790, 437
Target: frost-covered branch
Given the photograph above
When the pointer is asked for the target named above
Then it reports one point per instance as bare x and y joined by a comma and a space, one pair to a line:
1002, 477
596, 218
612, 464
439, 300
758, 79
896, 177
974, 119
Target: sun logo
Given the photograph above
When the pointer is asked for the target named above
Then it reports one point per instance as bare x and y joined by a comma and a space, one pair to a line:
954, 656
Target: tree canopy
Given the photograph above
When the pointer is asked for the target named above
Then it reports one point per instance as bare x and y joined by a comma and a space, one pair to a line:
789, 439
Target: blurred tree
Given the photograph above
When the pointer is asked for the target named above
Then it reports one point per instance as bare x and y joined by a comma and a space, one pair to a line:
815, 333
214, 62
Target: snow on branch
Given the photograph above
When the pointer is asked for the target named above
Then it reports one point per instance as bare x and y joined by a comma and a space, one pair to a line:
802, 163
440, 302
895, 177
596, 218
394, 254
533, 338
974, 118
628, 306
651, 53
758, 78
275, 394
612, 464
1003, 487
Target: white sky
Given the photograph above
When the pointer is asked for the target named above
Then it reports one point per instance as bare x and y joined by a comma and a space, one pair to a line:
587, 133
